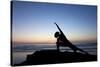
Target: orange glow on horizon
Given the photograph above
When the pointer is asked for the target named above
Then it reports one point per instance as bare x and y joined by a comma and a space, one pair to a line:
49, 39
34, 39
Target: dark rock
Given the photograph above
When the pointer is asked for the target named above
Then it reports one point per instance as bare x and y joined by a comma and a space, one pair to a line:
53, 57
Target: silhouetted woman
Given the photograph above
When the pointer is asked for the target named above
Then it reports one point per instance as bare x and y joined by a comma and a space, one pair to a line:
63, 41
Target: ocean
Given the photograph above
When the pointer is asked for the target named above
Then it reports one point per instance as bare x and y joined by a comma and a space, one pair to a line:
20, 51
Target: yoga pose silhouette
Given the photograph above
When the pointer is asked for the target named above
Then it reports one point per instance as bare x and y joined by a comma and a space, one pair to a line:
63, 41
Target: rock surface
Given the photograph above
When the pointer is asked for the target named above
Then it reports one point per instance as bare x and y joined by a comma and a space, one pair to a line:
53, 57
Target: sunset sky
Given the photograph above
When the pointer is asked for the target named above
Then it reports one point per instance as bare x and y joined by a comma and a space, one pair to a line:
33, 22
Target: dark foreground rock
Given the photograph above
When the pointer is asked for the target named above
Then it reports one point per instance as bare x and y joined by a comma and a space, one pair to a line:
53, 56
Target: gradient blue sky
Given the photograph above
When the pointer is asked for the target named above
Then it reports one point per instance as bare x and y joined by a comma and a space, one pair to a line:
34, 22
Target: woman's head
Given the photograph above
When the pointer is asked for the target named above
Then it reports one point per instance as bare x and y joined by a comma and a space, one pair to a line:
56, 35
